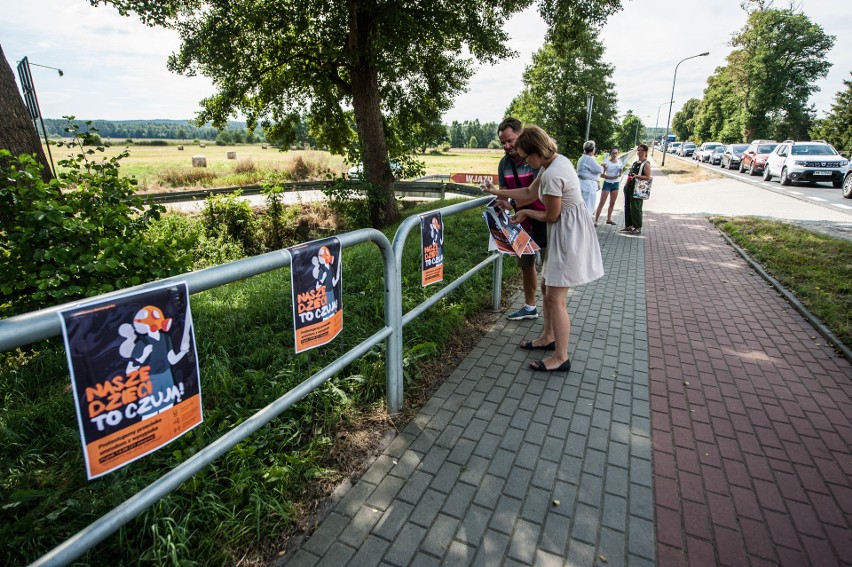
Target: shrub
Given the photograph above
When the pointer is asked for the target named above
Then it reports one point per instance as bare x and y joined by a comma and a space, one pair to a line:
83, 234
152, 143
245, 166
226, 216
181, 177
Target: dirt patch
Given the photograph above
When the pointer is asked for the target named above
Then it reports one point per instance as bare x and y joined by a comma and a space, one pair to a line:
682, 171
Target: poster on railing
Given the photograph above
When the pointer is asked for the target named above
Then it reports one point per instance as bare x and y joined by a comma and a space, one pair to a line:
134, 373
432, 245
317, 303
510, 238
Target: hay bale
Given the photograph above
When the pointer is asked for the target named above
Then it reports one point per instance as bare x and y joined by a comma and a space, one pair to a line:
199, 161
263, 147
232, 155
203, 145
180, 148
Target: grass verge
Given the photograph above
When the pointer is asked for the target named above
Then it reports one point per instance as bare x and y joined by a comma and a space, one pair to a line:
241, 508
815, 267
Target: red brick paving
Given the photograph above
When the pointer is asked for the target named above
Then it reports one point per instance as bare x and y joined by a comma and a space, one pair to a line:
751, 414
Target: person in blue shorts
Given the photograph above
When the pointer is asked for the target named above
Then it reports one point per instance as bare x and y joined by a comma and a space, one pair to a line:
612, 169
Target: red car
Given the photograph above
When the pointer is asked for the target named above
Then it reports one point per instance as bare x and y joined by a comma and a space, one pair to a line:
754, 158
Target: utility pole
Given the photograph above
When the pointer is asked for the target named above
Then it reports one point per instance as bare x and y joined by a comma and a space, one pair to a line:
590, 101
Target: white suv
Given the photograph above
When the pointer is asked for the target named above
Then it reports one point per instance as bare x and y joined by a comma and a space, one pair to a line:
805, 161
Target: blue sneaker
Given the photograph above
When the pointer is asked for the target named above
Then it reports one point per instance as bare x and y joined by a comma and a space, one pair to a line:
523, 313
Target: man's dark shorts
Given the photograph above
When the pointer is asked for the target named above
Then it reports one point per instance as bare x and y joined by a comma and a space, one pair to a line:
539, 235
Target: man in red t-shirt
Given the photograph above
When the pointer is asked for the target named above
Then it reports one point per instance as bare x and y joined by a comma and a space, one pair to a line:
515, 173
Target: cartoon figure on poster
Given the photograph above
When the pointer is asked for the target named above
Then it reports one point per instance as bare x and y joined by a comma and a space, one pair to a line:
432, 244
315, 269
326, 276
134, 373
146, 342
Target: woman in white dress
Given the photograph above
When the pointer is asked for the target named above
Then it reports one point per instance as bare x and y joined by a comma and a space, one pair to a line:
573, 254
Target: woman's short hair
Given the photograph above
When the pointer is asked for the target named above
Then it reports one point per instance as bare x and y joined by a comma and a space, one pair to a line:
534, 140
642, 147
589, 146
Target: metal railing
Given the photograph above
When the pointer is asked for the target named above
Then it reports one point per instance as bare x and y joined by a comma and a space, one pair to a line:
31, 327
429, 186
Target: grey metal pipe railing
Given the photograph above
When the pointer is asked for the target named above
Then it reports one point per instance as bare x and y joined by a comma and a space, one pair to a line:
394, 359
44, 324
31, 327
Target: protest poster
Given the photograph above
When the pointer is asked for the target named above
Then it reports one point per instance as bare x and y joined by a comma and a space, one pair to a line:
134, 373
509, 238
432, 244
315, 281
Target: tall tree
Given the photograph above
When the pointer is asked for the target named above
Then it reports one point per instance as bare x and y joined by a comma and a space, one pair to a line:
836, 127
629, 132
18, 134
683, 121
359, 68
555, 88
778, 57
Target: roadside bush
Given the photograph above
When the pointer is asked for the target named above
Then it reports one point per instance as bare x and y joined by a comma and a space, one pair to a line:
226, 216
245, 166
83, 234
186, 177
352, 201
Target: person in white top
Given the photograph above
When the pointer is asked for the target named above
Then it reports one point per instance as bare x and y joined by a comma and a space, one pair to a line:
612, 169
589, 172
573, 253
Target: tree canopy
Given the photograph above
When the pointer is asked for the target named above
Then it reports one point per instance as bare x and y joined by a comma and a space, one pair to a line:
763, 90
555, 88
368, 73
836, 127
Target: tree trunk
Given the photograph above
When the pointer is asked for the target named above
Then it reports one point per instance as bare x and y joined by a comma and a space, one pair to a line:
368, 117
17, 133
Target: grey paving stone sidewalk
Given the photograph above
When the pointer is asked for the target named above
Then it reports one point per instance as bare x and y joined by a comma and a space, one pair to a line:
505, 466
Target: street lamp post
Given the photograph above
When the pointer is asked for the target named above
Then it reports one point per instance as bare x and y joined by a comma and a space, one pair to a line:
657, 125
31, 99
671, 100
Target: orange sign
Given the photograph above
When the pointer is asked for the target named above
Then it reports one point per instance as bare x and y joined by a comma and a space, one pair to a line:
474, 178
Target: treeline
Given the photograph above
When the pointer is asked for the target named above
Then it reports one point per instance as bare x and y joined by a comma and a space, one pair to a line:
466, 134
763, 89
157, 130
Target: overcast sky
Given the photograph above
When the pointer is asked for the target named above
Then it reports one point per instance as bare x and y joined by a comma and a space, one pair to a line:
115, 67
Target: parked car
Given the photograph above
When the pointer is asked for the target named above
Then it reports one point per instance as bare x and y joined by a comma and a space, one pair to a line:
706, 150
732, 155
356, 171
673, 147
716, 156
754, 158
847, 183
686, 149
811, 161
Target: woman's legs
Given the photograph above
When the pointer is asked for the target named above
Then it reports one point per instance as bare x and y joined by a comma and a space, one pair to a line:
613, 197
604, 194
628, 198
636, 213
557, 325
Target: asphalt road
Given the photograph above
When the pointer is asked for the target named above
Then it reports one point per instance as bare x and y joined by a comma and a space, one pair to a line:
819, 207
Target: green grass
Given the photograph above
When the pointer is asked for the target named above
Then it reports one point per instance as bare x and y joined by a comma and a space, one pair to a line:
815, 267
246, 499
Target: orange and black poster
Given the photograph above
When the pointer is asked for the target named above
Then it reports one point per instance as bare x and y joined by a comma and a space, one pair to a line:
432, 244
134, 372
317, 305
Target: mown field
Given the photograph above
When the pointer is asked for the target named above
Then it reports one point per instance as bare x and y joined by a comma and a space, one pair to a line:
159, 168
